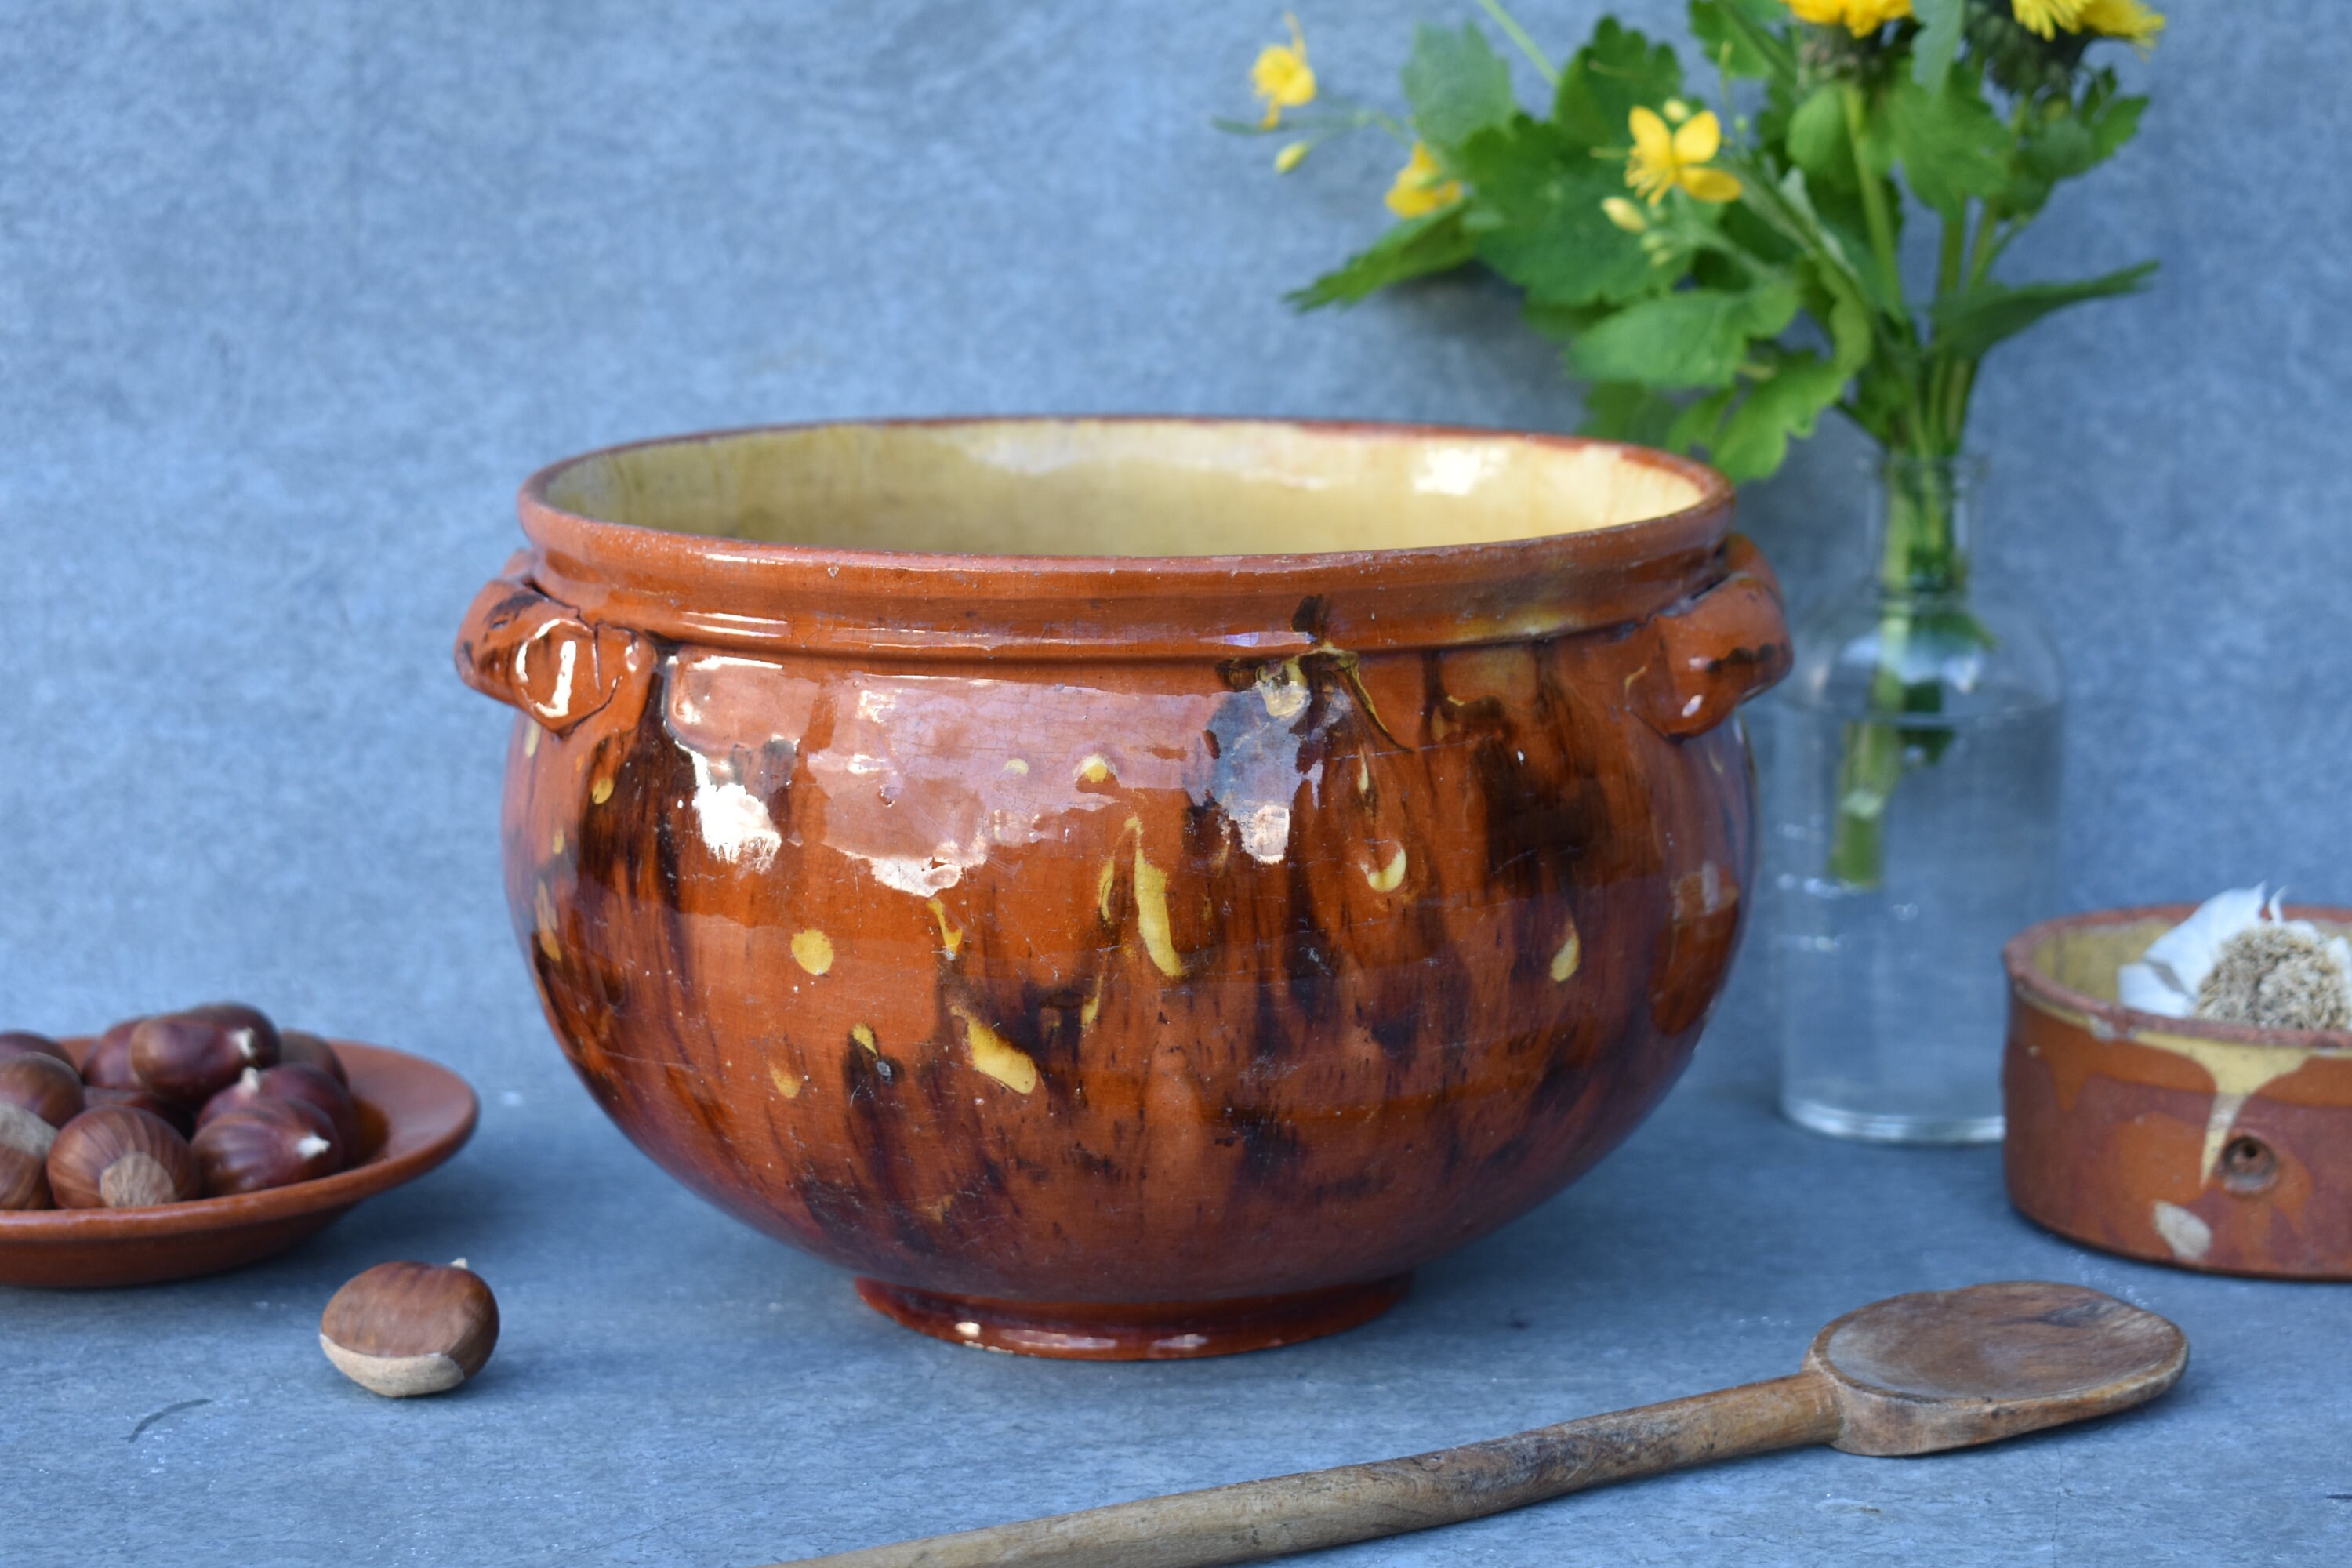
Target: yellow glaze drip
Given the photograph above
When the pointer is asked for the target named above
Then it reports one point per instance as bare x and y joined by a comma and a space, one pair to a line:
1282, 689
786, 1084
1150, 902
2239, 1070
812, 951
545, 913
950, 934
1386, 880
1571, 954
992, 1054
1151, 913
1108, 883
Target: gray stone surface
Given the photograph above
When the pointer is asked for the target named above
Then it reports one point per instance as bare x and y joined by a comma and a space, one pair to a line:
292, 296
673, 1389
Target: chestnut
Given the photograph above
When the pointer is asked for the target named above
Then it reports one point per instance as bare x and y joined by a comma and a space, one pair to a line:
290, 1081
193, 1055
48, 1088
304, 1048
107, 1063
406, 1329
25, 1140
42, 1085
120, 1157
17, 1042
270, 1144
140, 1100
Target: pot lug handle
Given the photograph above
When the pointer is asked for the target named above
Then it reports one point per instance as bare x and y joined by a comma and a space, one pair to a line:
1714, 650
540, 655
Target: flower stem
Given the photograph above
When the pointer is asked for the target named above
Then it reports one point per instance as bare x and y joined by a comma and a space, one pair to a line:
1919, 556
1873, 207
1518, 35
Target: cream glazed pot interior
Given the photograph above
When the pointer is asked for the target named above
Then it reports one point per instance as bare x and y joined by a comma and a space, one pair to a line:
1118, 487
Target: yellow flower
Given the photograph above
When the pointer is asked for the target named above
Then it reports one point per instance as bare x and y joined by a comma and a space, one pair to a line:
2046, 16
2129, 20
1421, 186
1664, 159
1860, 17
1282, 76
1290, 157
1624, 214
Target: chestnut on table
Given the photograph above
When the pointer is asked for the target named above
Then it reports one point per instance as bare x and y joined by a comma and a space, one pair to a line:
402, 1330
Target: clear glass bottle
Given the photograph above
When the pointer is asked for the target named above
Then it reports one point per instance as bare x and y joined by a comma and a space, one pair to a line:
1911, 797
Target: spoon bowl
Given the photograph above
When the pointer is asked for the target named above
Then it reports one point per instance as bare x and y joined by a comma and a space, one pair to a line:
1945, 1368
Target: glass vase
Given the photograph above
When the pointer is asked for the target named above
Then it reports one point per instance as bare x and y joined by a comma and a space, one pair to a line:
1911, 796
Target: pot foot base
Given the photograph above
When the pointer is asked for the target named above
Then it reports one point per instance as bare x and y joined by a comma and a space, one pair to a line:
1133, 1331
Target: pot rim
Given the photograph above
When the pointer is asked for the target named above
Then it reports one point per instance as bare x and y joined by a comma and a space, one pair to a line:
2029, 980
716, 590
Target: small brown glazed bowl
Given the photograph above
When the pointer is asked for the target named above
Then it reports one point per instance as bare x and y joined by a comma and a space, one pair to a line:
1127, 887
414, 1114
2212, 1146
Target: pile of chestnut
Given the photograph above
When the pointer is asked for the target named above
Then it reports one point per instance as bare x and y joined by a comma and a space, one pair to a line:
201, 1103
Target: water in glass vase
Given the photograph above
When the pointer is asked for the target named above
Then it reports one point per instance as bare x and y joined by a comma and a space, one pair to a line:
1891, 1004
1910, 769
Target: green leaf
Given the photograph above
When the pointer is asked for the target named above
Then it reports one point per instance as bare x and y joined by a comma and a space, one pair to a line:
1621, 411
1696, 425
1608, 76
1697, 337
1535, 218
1952, 144
2115, 123
1817, 139
1969, 323
1456, 84
1938, 43
1561, 323
1741, 37
1850, 342
1413, 248
1754, 442
2065, 141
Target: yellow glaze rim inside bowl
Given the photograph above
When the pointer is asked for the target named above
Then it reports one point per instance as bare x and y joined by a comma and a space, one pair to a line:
1122, 487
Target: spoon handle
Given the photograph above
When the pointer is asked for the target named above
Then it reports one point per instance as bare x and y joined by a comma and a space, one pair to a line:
1255, 1519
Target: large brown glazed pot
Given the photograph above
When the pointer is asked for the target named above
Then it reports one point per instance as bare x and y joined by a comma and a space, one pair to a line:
1127, 887
2213, 1146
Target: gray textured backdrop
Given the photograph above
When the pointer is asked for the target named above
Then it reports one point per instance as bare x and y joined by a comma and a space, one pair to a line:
292, 296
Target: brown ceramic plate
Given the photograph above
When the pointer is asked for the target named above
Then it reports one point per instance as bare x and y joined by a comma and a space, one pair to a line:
414, 1114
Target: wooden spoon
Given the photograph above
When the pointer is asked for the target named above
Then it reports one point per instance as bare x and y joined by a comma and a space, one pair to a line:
1911, 1374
